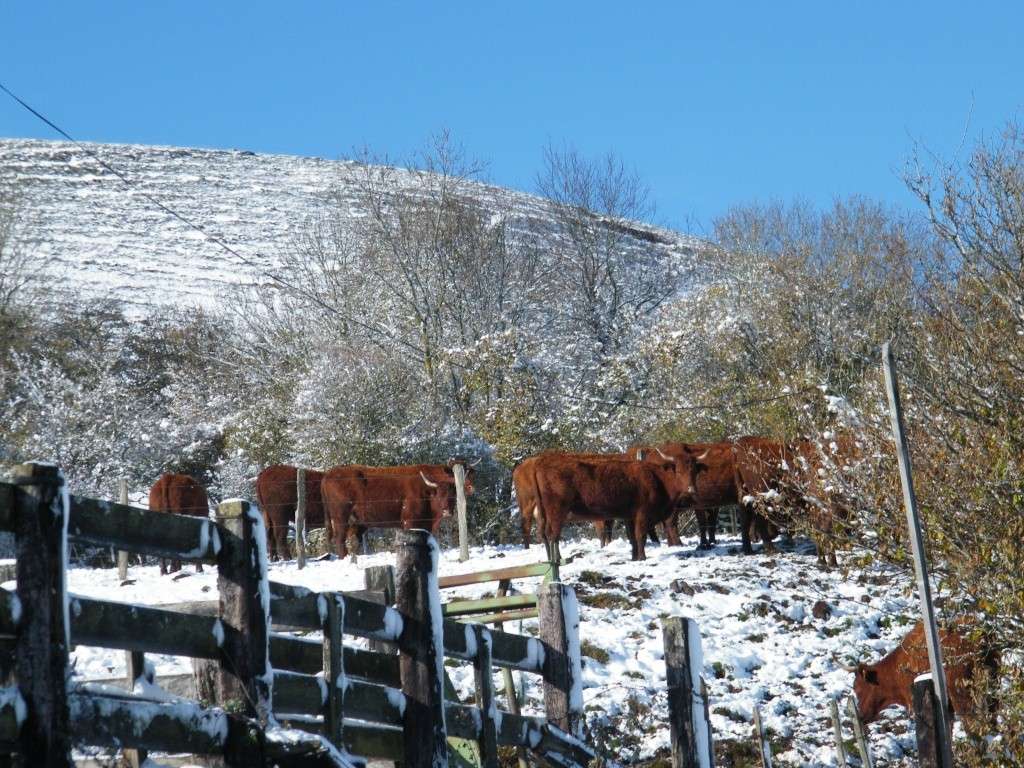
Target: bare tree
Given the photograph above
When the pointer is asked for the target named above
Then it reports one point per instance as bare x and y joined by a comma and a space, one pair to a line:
19, 266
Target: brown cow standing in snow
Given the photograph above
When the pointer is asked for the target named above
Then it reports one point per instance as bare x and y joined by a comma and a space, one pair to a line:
277, 494
641, 492
525, 487
787, 478
412, 496
181, 495
715, 484
890, 681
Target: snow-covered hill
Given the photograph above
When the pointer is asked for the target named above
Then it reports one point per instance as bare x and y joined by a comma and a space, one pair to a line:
763, 644
107, 240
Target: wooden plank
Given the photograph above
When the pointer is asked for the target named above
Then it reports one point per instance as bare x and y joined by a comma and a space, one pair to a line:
41, 652
300, 518
462, 721
105, 624
484, 678
380, 588
244, 590
761, 737
373, 741
479, 577
554, 740
519, 730
927, 714
689, 729
459, 473
298, 693
122, 554
837, 732
422, 652
924, 588
559, 631
488, 605
10, 613
374, 703
517, 652
501, 618
334, 671
135, 664
160, 534
859, 734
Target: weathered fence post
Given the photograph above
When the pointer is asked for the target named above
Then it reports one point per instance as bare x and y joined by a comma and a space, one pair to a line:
485, 697
122, 555
459, 472
764, 747
926, 718
136, 666
924, 589
504, 586
380, 579
689, 728
559, 617
859, 734
422, 651
300, 517
245, 672
41, 654
837, 731
334, 659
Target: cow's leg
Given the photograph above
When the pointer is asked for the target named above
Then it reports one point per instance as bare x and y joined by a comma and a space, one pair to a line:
525, 524
163, 567
671, 525
764, 530
640, 536
364, 544
702, 528
712, 526
605, 530
746, 523
341, 534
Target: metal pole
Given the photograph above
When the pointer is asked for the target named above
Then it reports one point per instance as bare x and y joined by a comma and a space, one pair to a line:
920, 562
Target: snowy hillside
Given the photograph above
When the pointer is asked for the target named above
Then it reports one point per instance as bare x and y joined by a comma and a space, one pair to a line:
763, 644
108, 240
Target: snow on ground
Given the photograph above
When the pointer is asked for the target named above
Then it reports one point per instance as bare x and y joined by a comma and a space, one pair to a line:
762, 645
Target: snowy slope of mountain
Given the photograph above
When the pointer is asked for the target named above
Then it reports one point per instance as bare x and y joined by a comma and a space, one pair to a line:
106, 239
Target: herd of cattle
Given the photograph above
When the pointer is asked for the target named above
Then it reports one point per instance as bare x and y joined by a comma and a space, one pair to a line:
776, 485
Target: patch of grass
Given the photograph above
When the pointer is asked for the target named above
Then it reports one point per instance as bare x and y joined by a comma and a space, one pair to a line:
727, 713
605, 599
757, 637
721, 671
737, 754
593, 578
596, 652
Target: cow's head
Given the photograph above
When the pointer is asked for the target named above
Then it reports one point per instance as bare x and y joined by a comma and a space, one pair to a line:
470, 471
872, 696
680, 471
441, 497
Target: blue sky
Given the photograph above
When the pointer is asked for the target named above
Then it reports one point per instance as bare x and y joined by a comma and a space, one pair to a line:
715, 104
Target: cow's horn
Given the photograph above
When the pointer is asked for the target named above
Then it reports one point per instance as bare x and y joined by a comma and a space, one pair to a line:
425, 480
639, 454
661, 453
848, 668
479, 459
704, 455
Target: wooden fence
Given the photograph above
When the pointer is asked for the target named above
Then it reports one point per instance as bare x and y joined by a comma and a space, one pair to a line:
285, 700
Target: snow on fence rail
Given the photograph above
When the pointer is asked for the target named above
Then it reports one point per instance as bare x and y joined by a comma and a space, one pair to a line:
286, 700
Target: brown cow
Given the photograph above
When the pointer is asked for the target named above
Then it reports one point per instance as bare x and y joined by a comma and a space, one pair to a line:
642, 492
413, 496
715, 485
525, 487
774, 480
277, 494
761, 467
889, 682
181, 495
